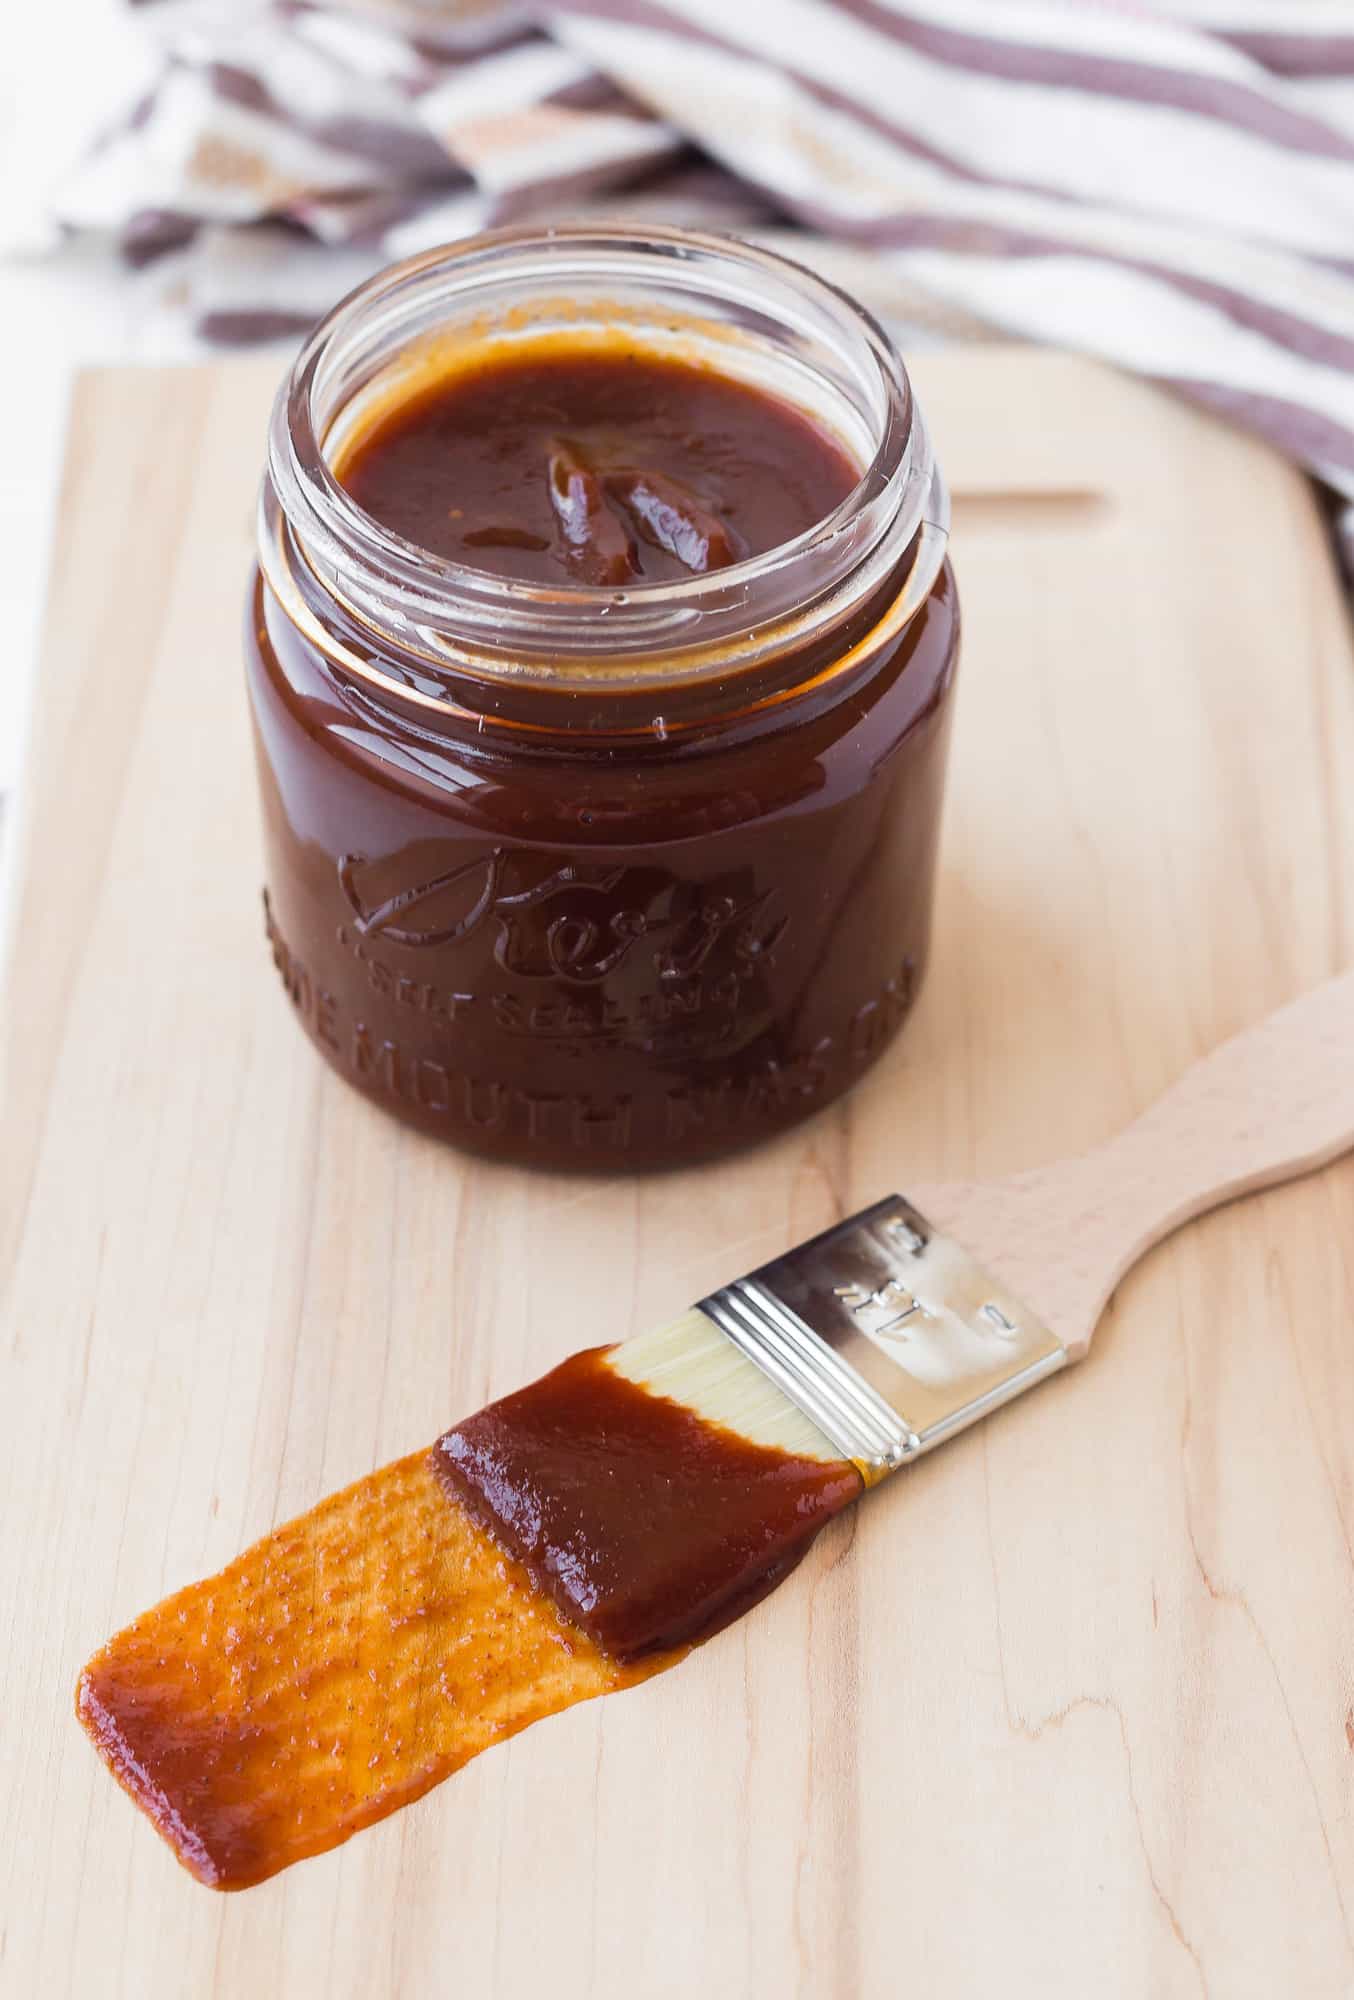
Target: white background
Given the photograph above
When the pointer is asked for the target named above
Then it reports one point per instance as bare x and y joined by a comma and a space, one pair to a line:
65, 68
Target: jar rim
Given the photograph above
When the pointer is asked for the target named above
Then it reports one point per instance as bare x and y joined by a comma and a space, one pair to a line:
447, 615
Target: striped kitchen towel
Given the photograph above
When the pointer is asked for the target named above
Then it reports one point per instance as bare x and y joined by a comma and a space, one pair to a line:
1168, 184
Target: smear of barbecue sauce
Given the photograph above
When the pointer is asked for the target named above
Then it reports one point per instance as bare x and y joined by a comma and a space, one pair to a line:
647, 1526
352, 1659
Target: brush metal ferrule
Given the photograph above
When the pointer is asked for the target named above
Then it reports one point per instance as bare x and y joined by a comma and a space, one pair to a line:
887, 1335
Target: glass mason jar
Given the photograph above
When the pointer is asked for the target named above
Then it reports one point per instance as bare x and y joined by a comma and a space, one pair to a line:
588, 876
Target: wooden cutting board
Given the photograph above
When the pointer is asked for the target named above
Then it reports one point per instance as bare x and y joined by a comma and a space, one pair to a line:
1067, 1709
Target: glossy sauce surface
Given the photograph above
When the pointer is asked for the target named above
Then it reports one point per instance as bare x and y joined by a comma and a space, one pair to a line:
647, 1526
588, 928
601, 469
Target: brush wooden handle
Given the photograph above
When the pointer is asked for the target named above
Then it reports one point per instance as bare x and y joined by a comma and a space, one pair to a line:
1274, 1102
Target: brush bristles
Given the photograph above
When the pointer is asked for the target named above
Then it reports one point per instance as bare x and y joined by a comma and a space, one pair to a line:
694, 1363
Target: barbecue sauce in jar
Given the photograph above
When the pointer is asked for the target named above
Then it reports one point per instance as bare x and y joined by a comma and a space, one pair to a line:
601, 681
571, 464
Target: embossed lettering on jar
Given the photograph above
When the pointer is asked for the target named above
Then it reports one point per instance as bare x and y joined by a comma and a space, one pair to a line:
602, 873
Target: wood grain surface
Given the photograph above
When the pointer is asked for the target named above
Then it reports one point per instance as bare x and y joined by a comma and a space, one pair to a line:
1268, 1104
1068, 1708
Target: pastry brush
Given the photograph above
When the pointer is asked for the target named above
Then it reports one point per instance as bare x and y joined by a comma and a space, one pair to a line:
655, 1489
902, 1325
